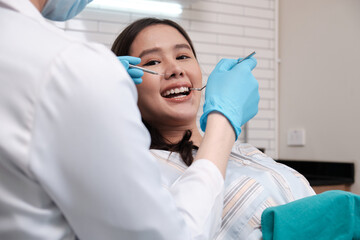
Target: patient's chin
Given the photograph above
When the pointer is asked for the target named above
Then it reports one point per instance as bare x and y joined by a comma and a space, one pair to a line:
184, 116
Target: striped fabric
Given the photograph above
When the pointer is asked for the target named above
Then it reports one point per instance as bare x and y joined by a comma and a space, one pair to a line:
253, 183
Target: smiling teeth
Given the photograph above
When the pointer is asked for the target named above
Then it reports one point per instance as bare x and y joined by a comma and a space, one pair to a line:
176, 91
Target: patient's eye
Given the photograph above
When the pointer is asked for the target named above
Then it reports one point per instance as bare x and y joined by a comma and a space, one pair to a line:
152, 62
182, 57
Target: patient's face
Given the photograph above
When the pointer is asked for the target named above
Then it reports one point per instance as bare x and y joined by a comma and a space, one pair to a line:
165, 100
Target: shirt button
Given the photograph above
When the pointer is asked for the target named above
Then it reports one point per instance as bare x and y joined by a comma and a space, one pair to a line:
246, 162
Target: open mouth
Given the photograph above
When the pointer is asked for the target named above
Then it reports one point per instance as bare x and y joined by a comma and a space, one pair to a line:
176, 92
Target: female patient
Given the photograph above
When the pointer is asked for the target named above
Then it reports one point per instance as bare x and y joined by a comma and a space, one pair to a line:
253, 180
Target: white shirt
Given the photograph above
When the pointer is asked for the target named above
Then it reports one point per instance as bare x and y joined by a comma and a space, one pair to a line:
73, 151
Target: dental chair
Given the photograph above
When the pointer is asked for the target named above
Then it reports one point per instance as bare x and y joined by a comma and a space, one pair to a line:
332, 215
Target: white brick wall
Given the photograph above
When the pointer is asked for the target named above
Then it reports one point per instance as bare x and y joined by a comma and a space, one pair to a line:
219, 28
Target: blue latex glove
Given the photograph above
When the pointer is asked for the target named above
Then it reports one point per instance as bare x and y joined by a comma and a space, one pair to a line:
134, 73
233, 91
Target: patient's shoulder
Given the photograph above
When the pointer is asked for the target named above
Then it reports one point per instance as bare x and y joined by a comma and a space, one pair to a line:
247, 150
168, 157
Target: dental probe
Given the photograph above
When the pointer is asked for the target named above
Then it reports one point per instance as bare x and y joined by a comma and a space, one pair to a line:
145, 70
248, 56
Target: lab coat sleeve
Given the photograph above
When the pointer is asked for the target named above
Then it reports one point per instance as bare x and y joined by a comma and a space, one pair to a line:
90, 154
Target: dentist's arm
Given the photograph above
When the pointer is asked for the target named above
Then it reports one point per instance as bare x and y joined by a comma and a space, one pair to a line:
217, 142
231, 99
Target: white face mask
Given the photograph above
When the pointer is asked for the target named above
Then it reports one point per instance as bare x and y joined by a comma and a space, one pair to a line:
62, 10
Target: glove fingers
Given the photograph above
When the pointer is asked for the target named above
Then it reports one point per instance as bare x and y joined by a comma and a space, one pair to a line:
251, 62
135, 73
137, 80
125, 63
225, 64
129, 59
133, 60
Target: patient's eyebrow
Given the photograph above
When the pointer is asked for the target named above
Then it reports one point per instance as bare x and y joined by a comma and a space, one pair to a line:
183, 45
149, 51
156, 49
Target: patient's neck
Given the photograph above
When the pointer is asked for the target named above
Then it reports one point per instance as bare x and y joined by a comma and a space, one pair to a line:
39, 4
175, 134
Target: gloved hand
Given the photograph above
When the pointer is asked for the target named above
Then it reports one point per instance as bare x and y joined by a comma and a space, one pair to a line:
134, 73
233, 91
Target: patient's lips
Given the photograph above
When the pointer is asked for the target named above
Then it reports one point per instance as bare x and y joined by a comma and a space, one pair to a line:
177, 92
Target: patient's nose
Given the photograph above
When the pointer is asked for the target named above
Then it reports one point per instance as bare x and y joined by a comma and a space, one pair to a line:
173, 71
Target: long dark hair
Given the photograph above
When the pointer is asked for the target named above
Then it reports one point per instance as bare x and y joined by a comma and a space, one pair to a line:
121, 47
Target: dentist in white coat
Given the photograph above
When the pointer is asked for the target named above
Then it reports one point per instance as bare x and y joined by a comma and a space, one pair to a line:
74, 159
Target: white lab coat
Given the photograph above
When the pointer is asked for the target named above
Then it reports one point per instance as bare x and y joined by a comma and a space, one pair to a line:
73, 151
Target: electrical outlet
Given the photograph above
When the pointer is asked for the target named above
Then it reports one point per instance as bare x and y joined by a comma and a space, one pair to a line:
296, 137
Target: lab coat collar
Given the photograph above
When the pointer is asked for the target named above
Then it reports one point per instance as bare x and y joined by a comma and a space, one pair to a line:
25, 7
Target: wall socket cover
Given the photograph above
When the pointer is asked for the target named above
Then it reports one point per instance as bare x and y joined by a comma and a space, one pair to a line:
296, 137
